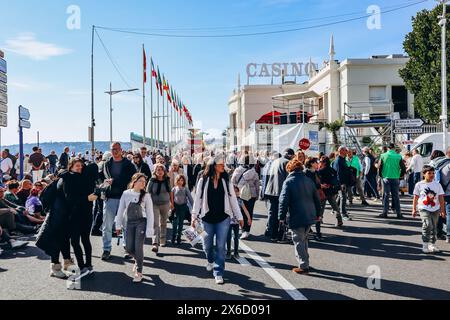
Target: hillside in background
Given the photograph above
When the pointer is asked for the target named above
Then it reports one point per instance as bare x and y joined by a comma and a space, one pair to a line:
47, 147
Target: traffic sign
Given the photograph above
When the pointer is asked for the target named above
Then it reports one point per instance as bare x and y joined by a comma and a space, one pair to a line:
24, 124
304, 144
3, 98
3, 77
3, 119
24, 113
408, 130
3, 108
3, 87
408, 123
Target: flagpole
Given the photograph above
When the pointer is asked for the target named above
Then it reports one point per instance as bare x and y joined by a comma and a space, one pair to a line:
144, 79
157, 124
152, 127
168, 121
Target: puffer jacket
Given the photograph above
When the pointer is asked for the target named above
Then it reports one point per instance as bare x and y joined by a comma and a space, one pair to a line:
299, 196
249, 176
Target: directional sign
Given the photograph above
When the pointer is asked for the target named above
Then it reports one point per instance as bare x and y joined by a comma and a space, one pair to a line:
3, 119
3, 98
3, 108
3, 77
408, 123
3, 87
3, 65
24, 124
408, 130
24, 113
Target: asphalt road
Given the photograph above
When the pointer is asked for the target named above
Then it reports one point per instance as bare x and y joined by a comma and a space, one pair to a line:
343, 264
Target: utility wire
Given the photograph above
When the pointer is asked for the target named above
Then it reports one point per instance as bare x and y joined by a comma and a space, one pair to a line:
292, 22
167, 35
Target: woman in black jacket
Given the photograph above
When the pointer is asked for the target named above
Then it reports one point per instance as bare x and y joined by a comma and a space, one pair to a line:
330, 185
54, 237
312, 165
78, 187
141, 166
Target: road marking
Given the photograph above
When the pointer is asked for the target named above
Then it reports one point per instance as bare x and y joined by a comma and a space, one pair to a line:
244, 262
277, 277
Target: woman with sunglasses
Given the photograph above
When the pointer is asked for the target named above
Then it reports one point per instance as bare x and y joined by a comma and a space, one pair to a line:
141, 166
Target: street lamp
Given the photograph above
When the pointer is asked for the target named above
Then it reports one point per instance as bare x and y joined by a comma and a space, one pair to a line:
111, 93
444, 117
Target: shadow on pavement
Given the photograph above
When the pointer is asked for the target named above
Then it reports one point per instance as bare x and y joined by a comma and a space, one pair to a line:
375, 247
396, 288
379, 231
315, 294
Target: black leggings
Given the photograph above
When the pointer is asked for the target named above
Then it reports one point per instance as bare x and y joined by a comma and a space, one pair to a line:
65, 250
81, 229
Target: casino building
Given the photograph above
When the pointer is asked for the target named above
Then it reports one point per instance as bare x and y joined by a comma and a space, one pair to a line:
365, 92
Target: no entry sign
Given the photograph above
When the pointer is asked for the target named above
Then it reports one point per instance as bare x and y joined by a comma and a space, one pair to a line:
304, 144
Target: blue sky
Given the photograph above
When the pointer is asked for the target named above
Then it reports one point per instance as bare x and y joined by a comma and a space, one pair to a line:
49, 65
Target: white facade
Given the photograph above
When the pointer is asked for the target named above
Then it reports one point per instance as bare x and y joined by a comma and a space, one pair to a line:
355, 88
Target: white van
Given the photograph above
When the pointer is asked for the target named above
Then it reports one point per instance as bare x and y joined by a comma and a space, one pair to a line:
427, 143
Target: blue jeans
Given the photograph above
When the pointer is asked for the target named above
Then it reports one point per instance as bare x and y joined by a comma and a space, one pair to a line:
109, 215
220, 230
391, 186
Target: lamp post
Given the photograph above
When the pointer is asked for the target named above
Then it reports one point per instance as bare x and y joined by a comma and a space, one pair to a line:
111, 93
444, 116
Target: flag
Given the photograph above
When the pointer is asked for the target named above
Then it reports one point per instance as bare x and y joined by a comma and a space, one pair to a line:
166, 85
153, 69
145, 66
169, 97
159, 83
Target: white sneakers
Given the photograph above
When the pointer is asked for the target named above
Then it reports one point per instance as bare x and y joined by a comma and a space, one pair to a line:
210, 267
430, 248
245, 235
219, 280
138, 277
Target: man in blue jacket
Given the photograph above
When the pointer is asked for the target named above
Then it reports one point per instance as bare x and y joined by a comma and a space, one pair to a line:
344, 176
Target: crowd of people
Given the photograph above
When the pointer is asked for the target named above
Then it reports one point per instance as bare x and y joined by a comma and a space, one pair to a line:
135, 195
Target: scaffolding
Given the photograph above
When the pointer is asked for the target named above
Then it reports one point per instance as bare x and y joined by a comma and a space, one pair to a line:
296, 106
376, 115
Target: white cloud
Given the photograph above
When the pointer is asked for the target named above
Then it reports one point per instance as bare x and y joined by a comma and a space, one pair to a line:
19, 85
26, 44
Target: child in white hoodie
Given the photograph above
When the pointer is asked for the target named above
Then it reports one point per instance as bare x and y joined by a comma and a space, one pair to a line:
136, 205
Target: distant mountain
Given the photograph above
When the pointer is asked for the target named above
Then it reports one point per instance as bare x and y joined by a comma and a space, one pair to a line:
47, 147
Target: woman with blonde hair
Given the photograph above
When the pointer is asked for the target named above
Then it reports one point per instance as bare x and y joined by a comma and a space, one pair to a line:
160, 191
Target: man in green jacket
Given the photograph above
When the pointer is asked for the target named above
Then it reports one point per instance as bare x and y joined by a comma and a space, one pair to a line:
391, 169
353, 162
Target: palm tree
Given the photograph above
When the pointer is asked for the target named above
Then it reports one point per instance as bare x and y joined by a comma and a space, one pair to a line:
333, 128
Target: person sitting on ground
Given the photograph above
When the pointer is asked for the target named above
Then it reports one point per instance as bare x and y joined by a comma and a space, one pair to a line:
11, 194
16, 216
24, 191
34, 207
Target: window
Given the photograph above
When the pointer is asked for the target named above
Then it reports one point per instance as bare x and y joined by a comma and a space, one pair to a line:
377, 93
425, 149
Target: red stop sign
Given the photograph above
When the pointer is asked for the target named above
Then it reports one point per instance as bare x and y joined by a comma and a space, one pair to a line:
304, 144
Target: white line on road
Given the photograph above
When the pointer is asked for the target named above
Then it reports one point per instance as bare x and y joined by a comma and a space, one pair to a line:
277, 277
244, 262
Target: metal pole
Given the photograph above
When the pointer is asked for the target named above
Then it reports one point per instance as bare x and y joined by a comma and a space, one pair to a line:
152, 127
110, 113
444, 117
143, 102
92, 92
20, 149
157, 123
37, 139
168, 123
163, 121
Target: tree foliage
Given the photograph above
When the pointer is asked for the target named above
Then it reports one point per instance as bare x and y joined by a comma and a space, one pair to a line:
422, 73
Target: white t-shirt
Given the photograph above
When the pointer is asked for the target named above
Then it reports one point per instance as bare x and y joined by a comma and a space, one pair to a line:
417, 163
6, 165
428, 193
